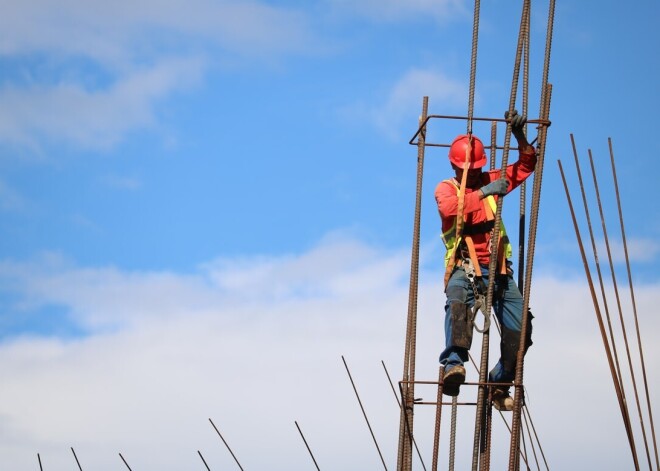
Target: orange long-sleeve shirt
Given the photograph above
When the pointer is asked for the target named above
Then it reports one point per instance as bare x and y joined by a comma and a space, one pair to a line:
473, 213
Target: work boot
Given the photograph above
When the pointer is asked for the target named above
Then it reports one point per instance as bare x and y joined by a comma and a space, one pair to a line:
502, 401
452, 380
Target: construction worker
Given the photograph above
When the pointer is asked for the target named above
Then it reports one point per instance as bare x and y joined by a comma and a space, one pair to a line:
468, 254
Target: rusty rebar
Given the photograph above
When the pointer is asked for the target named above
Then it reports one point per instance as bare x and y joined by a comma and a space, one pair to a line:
404, 456
226, 445
76, 457
618, 303
357, 395
438, 420
307, 446
599, 316
203, 460
396, 396
495, 238
473, 63
452, 434
122, 458
634, 304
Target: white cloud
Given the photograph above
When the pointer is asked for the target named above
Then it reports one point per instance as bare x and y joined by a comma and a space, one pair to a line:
140, 52
404, 99
256, 343
116, 32
395, 10
69, 112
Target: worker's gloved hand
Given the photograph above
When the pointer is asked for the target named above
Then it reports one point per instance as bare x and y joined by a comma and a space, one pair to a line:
497, 187
517, 123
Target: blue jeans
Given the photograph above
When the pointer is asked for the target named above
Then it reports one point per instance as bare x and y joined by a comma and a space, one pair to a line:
508, 309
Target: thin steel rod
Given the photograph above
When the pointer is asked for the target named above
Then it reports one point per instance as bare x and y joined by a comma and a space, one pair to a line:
406, 425
41, 468
452, 434
396, 396
622, 399
529, 415
363, 412
634, 305
438, 420
492, 266
531, 439
473, 63
598, 271
226, 444
77, 462
599, 316
307, 445
203, 460
122, 458
546, 94
541, 122
618, 303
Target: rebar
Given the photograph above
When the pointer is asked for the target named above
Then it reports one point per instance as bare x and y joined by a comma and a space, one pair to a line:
599, 316
452, 434
495, 238
203, 460
404, 458
307, 445
634, 304
226, 445
41, 468
473, 63
364, 412
122, 458
438, 420
77, 462
618, 303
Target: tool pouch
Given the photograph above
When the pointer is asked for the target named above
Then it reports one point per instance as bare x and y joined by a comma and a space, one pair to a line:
462, 321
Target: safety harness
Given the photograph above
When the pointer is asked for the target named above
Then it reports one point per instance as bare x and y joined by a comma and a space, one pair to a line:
460, 248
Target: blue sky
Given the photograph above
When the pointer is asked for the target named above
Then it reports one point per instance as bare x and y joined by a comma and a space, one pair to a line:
183, 181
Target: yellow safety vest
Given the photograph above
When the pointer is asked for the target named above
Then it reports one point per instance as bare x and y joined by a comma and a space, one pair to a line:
449, 236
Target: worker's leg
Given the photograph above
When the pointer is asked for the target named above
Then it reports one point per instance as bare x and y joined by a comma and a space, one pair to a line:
508, 304
459, 298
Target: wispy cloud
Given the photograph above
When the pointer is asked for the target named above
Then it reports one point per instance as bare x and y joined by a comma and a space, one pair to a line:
402, 101
69, 112
88, 73
10, 199
255, 343
395, 10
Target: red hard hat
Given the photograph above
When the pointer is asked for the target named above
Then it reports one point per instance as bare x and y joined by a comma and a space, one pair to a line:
458, 148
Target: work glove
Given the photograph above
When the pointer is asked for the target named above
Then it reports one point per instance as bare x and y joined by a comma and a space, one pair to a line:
496, 187
517, 123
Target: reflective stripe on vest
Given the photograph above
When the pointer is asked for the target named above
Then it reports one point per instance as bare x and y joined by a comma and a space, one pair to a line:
449, 236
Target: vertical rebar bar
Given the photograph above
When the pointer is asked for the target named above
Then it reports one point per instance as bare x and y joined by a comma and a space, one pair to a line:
452, 434
404, 459
473, 63
41, 468
438, 420
495, 238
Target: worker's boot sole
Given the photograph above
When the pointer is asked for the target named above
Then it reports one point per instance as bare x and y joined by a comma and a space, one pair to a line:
453, 380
